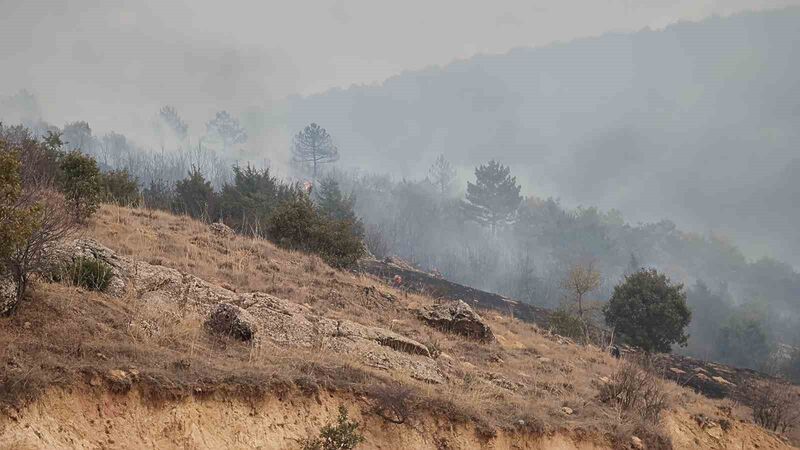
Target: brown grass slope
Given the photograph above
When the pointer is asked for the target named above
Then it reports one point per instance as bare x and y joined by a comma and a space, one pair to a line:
74, 373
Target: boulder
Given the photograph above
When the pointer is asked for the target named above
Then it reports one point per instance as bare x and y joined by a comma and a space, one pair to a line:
8, 296
456, 317
219, 229
233, 321
67, 253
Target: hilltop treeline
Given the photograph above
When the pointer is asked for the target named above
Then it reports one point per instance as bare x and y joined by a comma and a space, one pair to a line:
253, 202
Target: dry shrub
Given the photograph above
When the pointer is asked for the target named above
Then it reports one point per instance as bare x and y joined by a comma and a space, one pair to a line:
636, 390
394, 402
775, 403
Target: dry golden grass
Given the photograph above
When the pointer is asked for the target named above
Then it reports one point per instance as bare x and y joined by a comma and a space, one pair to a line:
523, 381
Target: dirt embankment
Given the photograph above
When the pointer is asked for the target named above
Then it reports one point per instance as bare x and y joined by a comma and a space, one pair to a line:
97, 419
94, 418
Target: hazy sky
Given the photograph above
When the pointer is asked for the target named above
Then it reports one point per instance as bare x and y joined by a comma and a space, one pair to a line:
108, 61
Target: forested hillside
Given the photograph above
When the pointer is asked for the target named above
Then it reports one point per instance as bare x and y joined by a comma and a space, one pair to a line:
697, 123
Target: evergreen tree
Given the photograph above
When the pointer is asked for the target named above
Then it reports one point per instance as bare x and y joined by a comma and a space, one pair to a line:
494, 197
246, 204
649, 312
81, 184
332, 203
314, 146
336, 206
169, 116
119, 187
227, 129
195, 196
441, 174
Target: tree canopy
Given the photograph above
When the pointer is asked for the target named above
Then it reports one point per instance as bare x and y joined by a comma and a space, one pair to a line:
226, 128
494, 197
314, 146
649, 312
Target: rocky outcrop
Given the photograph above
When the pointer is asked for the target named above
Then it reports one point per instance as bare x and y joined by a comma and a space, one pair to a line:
233, 321
221, 230
8, 296
287, 323
70, 252
256, 317
456, 317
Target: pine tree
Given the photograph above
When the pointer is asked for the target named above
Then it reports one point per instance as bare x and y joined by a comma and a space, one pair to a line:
332, 203
227, 128
314, 146
494, 197
169, 116
442, 174
195, 196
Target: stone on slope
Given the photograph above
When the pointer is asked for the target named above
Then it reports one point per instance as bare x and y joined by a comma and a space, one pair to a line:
8, 296
233, 321
456, 317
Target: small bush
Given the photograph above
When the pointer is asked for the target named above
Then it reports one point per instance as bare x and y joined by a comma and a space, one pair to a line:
89, 273
636, 390
343, 435
565, 324
119, 187
394, 403
297, 225
775, 404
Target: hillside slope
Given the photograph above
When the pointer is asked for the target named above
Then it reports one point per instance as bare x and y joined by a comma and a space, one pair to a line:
136, 367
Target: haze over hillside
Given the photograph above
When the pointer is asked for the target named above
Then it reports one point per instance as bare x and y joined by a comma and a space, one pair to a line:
697, 123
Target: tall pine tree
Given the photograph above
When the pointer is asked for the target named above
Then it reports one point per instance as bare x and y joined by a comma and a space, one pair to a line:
314, 146
494, 197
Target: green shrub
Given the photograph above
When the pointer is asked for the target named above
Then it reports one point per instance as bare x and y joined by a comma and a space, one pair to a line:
119, 187
297, 225
565, 324
343, 435
89, 273
81, 184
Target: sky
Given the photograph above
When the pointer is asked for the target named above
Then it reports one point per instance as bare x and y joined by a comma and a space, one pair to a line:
112, 61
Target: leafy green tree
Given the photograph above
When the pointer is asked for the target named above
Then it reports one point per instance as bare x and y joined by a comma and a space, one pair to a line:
494, 197
194, 196
741, 341
649, 312
314, 146
31, 220
14, 220
119, 187
81, 184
